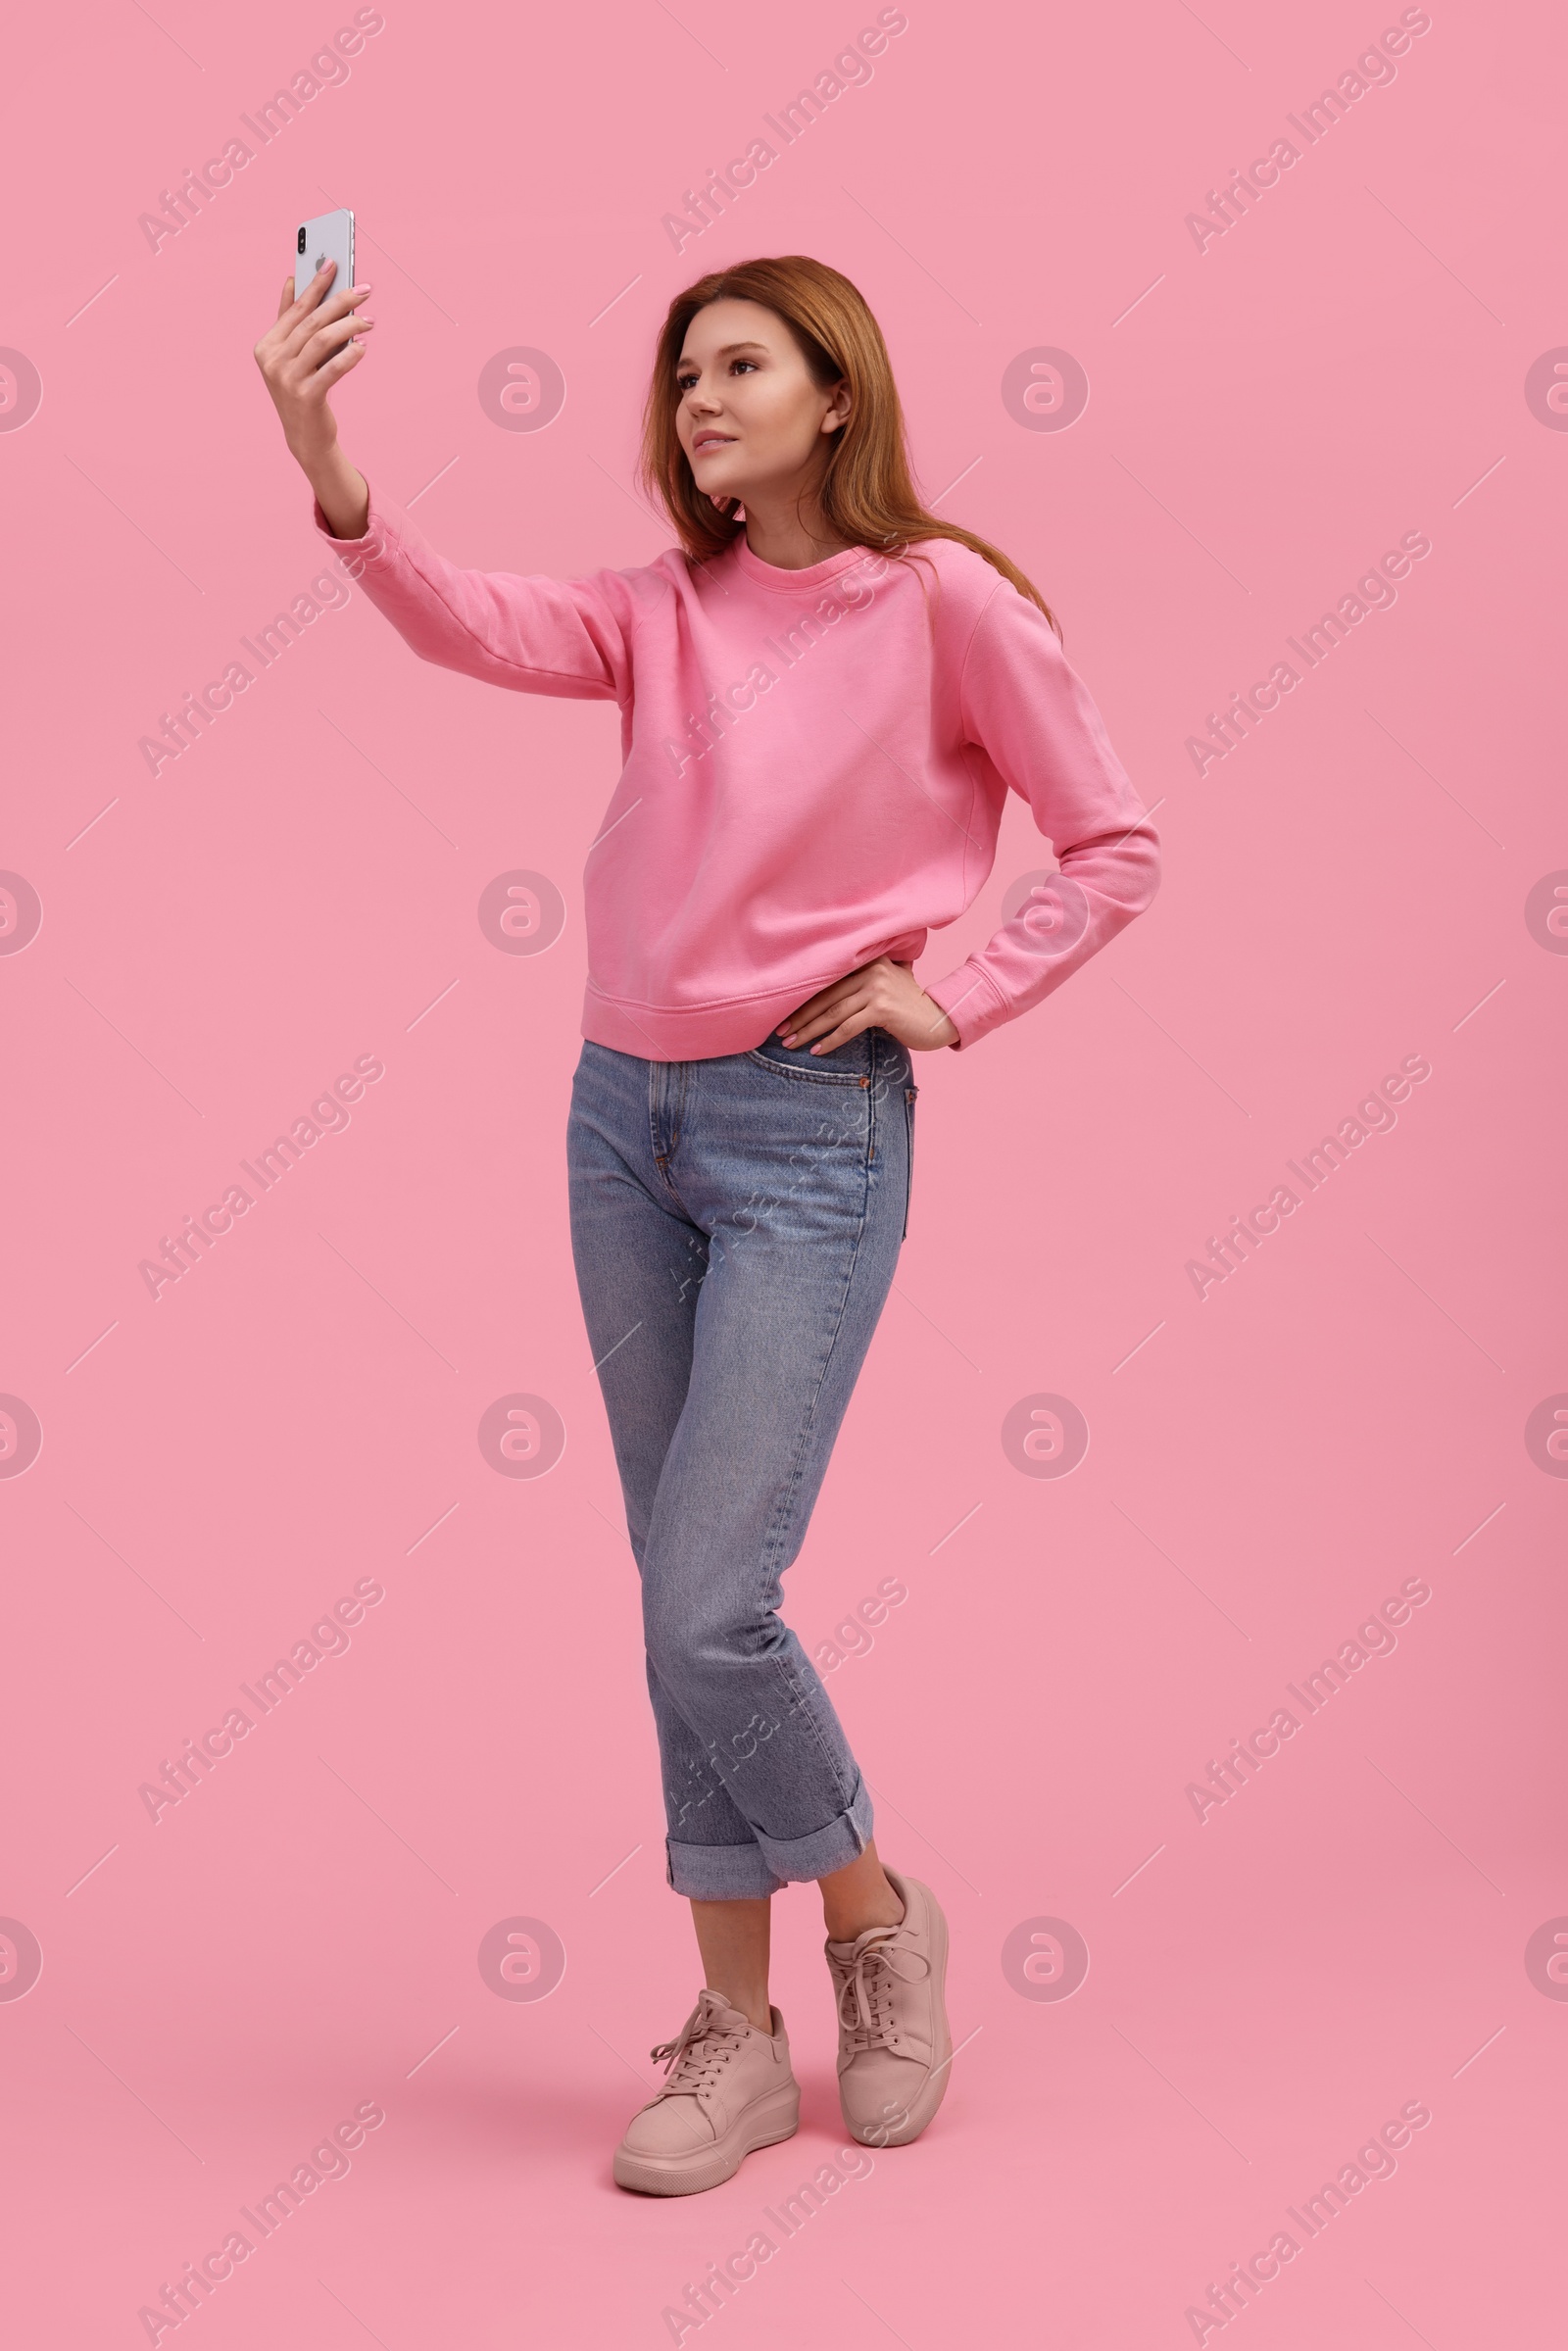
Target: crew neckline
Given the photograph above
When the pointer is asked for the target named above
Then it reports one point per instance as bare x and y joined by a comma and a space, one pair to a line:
789, 583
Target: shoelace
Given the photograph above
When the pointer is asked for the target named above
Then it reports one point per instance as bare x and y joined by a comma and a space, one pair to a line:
865, 1995
693, 2060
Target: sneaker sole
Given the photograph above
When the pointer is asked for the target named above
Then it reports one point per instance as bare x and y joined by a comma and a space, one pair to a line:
763, 2125
924, 2109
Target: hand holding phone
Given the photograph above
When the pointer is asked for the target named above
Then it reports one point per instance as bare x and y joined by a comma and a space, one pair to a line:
331, 238
315, 339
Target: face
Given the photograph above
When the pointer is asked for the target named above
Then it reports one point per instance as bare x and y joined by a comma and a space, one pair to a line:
750, 418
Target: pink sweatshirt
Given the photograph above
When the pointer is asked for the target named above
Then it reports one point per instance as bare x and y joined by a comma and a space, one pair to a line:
815, 765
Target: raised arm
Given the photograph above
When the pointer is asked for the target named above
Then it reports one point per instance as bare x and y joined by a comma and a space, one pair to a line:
311, 346
534, 634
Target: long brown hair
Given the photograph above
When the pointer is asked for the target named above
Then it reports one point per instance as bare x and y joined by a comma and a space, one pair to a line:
867, 493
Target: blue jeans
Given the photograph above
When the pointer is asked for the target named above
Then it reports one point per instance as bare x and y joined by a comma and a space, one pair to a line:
735, 1224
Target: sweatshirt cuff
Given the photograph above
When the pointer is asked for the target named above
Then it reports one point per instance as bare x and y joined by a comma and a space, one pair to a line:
971, 1002
375, 550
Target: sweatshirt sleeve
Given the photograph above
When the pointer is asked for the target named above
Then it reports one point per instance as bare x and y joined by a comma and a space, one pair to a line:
1032, 716
536, 635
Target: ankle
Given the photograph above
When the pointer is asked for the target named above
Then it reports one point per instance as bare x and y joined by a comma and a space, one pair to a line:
844, 1921
755, 2008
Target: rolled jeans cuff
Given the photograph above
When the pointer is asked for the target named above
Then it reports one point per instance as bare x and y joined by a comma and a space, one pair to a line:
719, 1872
739, 1873
829, 1848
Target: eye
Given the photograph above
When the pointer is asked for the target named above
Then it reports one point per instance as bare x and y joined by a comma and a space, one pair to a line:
752, 364
685, 382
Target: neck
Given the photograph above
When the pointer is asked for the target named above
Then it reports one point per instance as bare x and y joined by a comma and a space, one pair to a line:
789, 531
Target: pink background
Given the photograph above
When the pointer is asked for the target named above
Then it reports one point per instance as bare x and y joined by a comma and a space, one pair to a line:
1265, 417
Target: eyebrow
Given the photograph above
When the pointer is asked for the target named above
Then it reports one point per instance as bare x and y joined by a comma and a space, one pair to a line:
726, 351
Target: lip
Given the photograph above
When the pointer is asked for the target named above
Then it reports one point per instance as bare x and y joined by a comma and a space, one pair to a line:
704, 441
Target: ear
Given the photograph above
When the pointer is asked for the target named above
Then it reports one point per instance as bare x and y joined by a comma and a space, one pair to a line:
838, 414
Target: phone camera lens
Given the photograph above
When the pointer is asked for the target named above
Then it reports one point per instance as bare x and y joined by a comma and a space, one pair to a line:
300, 247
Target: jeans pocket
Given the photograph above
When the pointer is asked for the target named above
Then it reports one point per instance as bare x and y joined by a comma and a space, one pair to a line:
910, 1094
847, 1065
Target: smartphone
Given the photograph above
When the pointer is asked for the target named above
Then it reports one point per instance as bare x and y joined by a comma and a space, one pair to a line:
317, 242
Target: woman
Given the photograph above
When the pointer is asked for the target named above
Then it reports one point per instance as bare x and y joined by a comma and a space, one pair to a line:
826, 694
